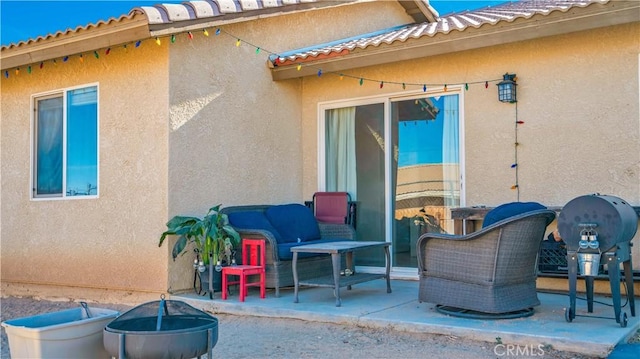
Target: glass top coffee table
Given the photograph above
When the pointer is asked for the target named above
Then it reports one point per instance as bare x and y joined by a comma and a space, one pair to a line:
335, 281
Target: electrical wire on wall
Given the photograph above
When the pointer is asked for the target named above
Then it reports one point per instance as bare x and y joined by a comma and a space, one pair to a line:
516, 185
507, 94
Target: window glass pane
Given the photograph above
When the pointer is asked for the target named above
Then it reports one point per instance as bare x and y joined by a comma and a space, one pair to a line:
82, 142
355, 153
426, 174
49, 162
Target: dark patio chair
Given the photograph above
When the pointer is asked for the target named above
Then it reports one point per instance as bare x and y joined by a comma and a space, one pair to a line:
490, 273
332, 207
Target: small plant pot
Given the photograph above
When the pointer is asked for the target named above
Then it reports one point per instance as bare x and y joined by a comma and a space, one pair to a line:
201, 282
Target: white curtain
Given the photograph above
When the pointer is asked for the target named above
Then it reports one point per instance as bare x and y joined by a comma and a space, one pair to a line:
450, 154
341, 150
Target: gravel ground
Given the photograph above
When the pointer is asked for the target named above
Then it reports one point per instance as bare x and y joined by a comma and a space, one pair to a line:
258, 337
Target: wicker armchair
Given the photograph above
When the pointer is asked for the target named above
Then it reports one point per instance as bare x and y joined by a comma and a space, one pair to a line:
488, 273
279, 272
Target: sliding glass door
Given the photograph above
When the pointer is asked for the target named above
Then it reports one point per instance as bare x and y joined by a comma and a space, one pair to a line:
355, 163
401, 190
425, 172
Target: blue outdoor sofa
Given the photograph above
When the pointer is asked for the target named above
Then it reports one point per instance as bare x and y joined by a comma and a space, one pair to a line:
283, 227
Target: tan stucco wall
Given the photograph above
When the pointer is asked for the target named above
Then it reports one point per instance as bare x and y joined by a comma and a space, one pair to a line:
578, 97
109, 242
188, 125
235, 134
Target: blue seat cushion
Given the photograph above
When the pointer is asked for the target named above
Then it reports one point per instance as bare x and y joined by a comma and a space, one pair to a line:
284, 249
507, 210
253, 220
294, 222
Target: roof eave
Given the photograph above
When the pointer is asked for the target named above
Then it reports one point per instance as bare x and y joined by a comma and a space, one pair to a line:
124, 31
172, 27
420, 10
471, 38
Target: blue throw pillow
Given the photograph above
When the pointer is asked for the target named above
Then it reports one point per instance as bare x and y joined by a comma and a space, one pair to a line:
294, 222
253, 220
507, 210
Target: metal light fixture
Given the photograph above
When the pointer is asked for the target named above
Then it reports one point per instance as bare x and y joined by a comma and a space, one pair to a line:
507, 88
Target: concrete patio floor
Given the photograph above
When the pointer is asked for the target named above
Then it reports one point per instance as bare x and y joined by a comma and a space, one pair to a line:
368, 304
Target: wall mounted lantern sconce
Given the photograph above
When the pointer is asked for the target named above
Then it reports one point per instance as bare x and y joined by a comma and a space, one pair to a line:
507, 88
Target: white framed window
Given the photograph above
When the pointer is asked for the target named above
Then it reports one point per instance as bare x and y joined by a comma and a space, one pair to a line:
64, 161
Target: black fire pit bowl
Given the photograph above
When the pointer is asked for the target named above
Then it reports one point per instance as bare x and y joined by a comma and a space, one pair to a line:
161, 329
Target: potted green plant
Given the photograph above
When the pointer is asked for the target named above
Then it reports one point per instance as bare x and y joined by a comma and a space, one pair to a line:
213, 239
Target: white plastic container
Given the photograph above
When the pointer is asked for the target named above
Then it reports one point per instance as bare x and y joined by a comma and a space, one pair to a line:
65, 334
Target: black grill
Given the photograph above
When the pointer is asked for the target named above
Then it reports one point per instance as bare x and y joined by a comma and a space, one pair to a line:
597, 230
611, 218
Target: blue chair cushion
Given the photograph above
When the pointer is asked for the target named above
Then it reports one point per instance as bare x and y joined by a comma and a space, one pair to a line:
253, 220
507, 210
294, 222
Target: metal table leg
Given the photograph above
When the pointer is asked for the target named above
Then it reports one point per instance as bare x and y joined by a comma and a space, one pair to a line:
335, 260
296, 283
387, 257
349, 260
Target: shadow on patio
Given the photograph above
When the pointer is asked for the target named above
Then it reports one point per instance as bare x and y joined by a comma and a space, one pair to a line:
368, 305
